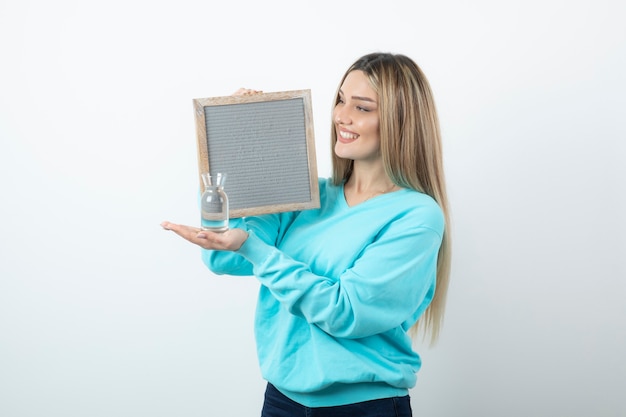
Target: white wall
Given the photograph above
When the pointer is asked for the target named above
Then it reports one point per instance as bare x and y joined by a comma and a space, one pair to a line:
104, 314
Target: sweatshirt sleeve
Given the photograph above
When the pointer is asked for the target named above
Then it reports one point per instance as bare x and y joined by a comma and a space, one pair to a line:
391, 282
269, 228
226, 262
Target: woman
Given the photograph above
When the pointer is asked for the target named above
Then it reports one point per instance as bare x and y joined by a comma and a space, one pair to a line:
344, 286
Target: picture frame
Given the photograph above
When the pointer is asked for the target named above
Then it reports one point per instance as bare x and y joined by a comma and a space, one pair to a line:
265, 145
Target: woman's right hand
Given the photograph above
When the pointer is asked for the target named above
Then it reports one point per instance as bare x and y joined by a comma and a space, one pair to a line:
230, 240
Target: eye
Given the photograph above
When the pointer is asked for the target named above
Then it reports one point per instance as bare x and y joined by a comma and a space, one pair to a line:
363, 109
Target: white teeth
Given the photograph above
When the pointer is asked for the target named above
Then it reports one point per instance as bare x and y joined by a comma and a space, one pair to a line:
347, 135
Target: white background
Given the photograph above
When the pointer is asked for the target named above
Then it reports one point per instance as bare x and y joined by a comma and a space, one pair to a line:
102, 313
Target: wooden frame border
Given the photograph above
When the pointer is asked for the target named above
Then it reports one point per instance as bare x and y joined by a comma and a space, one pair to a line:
204, 147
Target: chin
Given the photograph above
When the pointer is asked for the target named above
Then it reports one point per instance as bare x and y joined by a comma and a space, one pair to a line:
341, 153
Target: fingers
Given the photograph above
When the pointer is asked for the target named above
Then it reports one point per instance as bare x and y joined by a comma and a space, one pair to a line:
186, 232
246, 92
230, 240
179, 228
203, 238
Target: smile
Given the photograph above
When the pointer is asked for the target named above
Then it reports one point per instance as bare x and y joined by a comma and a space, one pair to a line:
349, 136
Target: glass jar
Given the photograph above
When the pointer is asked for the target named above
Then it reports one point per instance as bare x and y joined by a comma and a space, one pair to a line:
214, 203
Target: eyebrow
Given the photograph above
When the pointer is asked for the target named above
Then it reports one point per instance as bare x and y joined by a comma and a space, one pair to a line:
359, 97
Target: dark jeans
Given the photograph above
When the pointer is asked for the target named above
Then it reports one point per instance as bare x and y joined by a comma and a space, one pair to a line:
277, 405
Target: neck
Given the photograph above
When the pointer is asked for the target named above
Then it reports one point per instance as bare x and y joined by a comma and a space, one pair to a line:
366, 184
370, 179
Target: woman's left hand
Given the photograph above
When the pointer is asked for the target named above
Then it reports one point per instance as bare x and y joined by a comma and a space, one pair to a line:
230, 240
247, 92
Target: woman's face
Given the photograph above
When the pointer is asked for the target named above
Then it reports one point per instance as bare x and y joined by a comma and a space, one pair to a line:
356, 119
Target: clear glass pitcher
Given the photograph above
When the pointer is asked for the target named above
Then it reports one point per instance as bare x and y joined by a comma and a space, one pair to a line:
214, 203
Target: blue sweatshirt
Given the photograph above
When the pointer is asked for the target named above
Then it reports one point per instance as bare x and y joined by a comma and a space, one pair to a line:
340, 288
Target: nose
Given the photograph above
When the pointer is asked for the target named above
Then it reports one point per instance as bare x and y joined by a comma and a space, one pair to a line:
340, 116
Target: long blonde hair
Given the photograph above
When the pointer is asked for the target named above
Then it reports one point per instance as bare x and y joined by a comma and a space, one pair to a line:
411, 149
